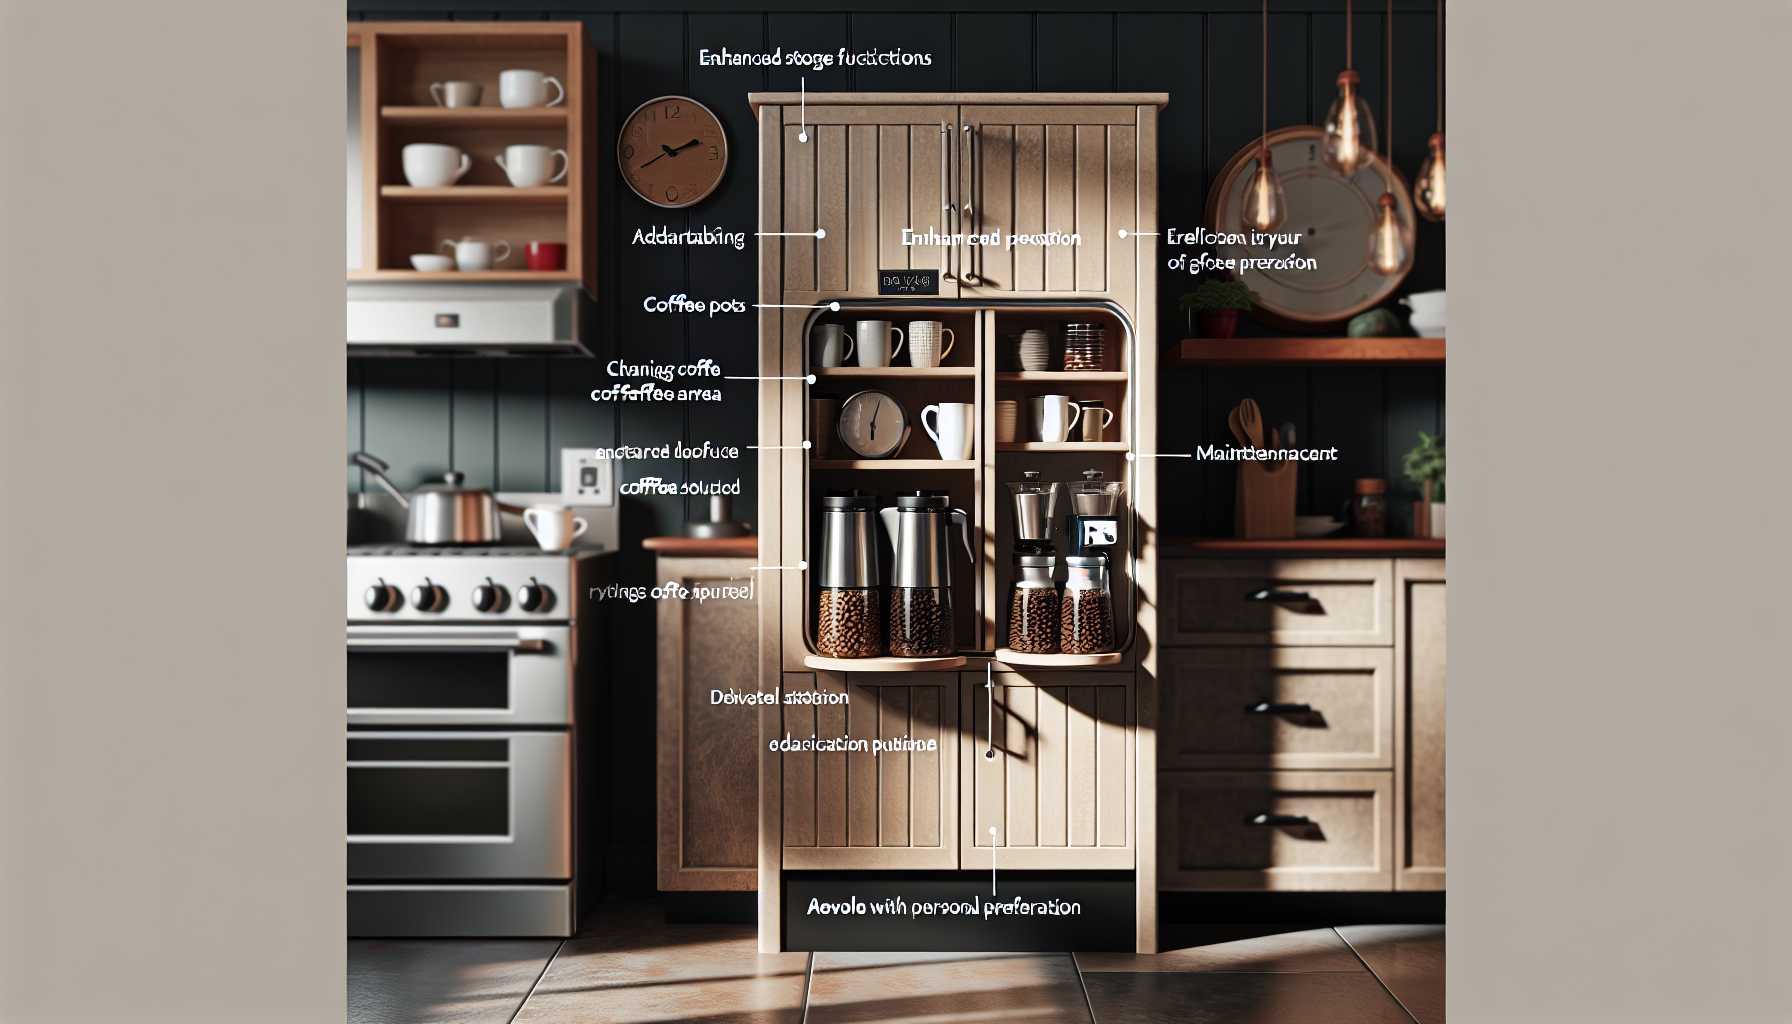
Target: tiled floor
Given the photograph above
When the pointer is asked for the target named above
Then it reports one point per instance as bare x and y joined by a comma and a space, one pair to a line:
628, 967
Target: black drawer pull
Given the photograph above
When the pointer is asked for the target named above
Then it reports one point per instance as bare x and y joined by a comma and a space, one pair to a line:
1281, 596
1276, 708
1278, 819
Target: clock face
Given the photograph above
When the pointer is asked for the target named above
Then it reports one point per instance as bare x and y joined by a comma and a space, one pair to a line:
873, 424
672, 151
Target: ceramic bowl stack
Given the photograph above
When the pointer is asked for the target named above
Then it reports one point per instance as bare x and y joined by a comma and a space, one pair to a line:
1083, 346
1427, 313
1035, 351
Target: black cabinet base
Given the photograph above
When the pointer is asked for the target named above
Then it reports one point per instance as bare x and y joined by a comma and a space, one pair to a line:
711, 907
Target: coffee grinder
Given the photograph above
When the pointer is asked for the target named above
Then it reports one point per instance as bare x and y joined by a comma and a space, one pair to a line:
1091, 529
1032, 595
1093, 525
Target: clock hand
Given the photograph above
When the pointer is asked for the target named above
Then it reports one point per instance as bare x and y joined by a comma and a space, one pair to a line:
669, 151
874, 411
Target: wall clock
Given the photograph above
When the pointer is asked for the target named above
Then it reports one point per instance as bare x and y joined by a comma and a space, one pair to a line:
1332, 214
672, 151
873, 424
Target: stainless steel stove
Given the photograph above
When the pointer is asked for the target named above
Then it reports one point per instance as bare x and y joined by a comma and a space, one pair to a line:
477, 693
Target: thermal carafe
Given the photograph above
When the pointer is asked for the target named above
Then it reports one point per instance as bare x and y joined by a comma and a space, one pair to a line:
849, 621
921, 572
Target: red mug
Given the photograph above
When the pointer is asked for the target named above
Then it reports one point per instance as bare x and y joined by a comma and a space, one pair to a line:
547, 255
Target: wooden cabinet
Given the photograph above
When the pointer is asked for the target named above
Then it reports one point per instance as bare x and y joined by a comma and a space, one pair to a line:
867, 807
1275, 830
1329, 669
1419, 722
1294, 707
1058, 790
1322, 602
399, 62
708, 835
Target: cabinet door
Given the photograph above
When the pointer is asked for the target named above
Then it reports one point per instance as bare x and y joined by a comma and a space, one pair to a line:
1292, 602
1419, 722
1275, 830
708, 835
864, 175
869, 807
1277, 707
1036, 169
1058, 789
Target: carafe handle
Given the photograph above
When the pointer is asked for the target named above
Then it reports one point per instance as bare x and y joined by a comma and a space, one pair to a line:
964, 531
888, 515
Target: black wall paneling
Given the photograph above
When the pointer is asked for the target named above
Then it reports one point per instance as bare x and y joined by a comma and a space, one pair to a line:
502, 422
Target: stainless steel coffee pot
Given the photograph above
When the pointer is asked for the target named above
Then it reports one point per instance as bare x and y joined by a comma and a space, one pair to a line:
849, 541
917, 528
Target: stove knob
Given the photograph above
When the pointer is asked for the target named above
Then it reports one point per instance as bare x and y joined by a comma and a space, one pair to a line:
534, 596
383, 597
428, 597
488, 597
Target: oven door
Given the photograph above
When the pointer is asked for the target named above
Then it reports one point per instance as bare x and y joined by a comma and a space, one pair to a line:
460, 675
459, 805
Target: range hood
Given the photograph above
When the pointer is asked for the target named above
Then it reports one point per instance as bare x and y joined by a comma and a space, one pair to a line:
468, 319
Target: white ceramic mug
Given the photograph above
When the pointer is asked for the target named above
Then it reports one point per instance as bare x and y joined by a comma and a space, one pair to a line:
471, 254
430, 165
830, 345
456, 94
1095, 418
529, 166
924, 342
952, 431
528, 89
1053, 416
874, 342
1007, 421
554, 527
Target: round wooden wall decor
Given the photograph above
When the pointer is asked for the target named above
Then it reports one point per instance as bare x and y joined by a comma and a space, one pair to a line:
1332, 215
672, 151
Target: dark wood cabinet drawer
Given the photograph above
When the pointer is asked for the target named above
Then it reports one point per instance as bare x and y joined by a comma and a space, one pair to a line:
1297, 602
1243, 830
1256, 707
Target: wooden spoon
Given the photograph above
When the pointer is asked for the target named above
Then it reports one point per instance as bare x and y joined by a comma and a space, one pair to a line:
1251, 418
1237, 429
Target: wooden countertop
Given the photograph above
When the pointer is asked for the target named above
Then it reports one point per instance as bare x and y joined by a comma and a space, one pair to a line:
702, 547
1173, 547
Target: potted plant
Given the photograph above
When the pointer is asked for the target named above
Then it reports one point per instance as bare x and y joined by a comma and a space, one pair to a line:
1216, 305
1425, 465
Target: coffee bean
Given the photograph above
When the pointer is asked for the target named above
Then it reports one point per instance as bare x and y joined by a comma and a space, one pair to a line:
1087, 622
1033, 620
920, 622
850, 624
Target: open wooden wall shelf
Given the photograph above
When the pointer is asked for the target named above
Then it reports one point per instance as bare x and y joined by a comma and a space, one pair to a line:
399, 60
1306, 352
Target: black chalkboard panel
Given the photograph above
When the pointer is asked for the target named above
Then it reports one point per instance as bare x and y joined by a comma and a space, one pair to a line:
1032, 911
908, 282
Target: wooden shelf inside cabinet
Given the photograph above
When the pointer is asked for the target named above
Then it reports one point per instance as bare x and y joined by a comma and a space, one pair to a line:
459, 275
944, 664
925, 372
892, 464
521, 118
1008, 657
476, 194
1306, 352
1062, 446
1060, 376
1171, 546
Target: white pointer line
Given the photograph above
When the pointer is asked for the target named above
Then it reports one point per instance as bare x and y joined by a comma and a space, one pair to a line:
817, 233
798, 567
769, 447
810, 379
1123, 232
832, 307
1154, 455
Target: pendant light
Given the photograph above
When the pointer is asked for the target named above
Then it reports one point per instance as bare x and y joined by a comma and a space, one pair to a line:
1428, 190
1265, 207
1349, 127
1387, 242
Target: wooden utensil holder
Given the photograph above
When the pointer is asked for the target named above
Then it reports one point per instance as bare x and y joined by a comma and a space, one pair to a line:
1264, 505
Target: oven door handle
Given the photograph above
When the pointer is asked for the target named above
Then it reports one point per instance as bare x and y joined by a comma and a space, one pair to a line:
456, 643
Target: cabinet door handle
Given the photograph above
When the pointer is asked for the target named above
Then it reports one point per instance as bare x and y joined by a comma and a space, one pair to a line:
1274, 820
1268, 707
1280, 596
968, 215
946, 142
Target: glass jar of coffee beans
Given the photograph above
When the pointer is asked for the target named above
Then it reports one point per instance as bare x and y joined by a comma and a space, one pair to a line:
1370, 511
849, 622
1086, 616
920, 622
1033, 605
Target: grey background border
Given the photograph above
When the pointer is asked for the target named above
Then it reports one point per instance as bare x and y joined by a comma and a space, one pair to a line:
171, 424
